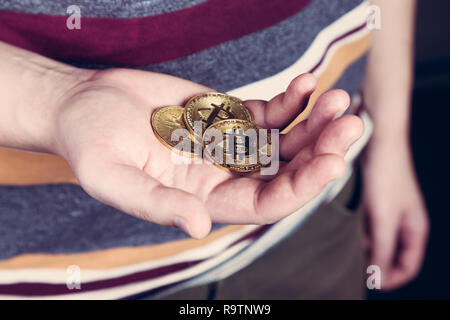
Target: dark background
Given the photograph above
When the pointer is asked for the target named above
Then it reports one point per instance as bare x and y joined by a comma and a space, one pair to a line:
430, 140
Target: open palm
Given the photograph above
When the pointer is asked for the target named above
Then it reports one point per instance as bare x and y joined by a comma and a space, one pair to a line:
104, 133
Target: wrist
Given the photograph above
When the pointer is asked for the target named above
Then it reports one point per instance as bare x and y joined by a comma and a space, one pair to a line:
69, 82
391, 125
56, 86
33, 89
387, 151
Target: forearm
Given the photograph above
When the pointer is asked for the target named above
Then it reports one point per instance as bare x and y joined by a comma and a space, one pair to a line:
31, 89
388, 84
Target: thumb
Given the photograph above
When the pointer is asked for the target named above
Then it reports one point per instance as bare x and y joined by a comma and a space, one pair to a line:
133, 191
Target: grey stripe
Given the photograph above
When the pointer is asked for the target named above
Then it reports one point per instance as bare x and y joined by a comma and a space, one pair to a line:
62, 218
100, 8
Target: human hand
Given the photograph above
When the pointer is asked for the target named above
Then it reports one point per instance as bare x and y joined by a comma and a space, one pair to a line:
397, 221
103, 130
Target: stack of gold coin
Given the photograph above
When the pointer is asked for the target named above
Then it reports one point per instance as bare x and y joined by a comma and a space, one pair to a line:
219, 125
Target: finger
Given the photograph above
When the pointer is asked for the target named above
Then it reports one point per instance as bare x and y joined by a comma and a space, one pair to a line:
131, 190
285, 107
413, 240
336, 138
339, 135
384, 243
329, 106
302, 157
260, 202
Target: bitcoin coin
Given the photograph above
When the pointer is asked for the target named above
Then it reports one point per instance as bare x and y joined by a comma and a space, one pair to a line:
164, 122
209, 108
235, 145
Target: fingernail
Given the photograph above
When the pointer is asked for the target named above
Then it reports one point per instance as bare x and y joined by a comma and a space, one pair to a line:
337, 115
350, 143
347, 147
181, 224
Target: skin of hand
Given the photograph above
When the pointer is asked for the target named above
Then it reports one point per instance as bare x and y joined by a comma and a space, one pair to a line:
397, 220
102, 128
397, 214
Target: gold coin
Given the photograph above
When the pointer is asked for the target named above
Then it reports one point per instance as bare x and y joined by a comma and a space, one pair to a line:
164, 122
235, 145
209, 108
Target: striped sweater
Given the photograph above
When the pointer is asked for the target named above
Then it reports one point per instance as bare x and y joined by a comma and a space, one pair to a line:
247, 48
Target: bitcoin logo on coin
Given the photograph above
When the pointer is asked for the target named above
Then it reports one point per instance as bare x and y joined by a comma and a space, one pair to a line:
209, 108
236, 145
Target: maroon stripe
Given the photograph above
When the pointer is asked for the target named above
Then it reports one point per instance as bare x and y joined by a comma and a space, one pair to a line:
333, 42
254, 234
31, 289
148, 40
